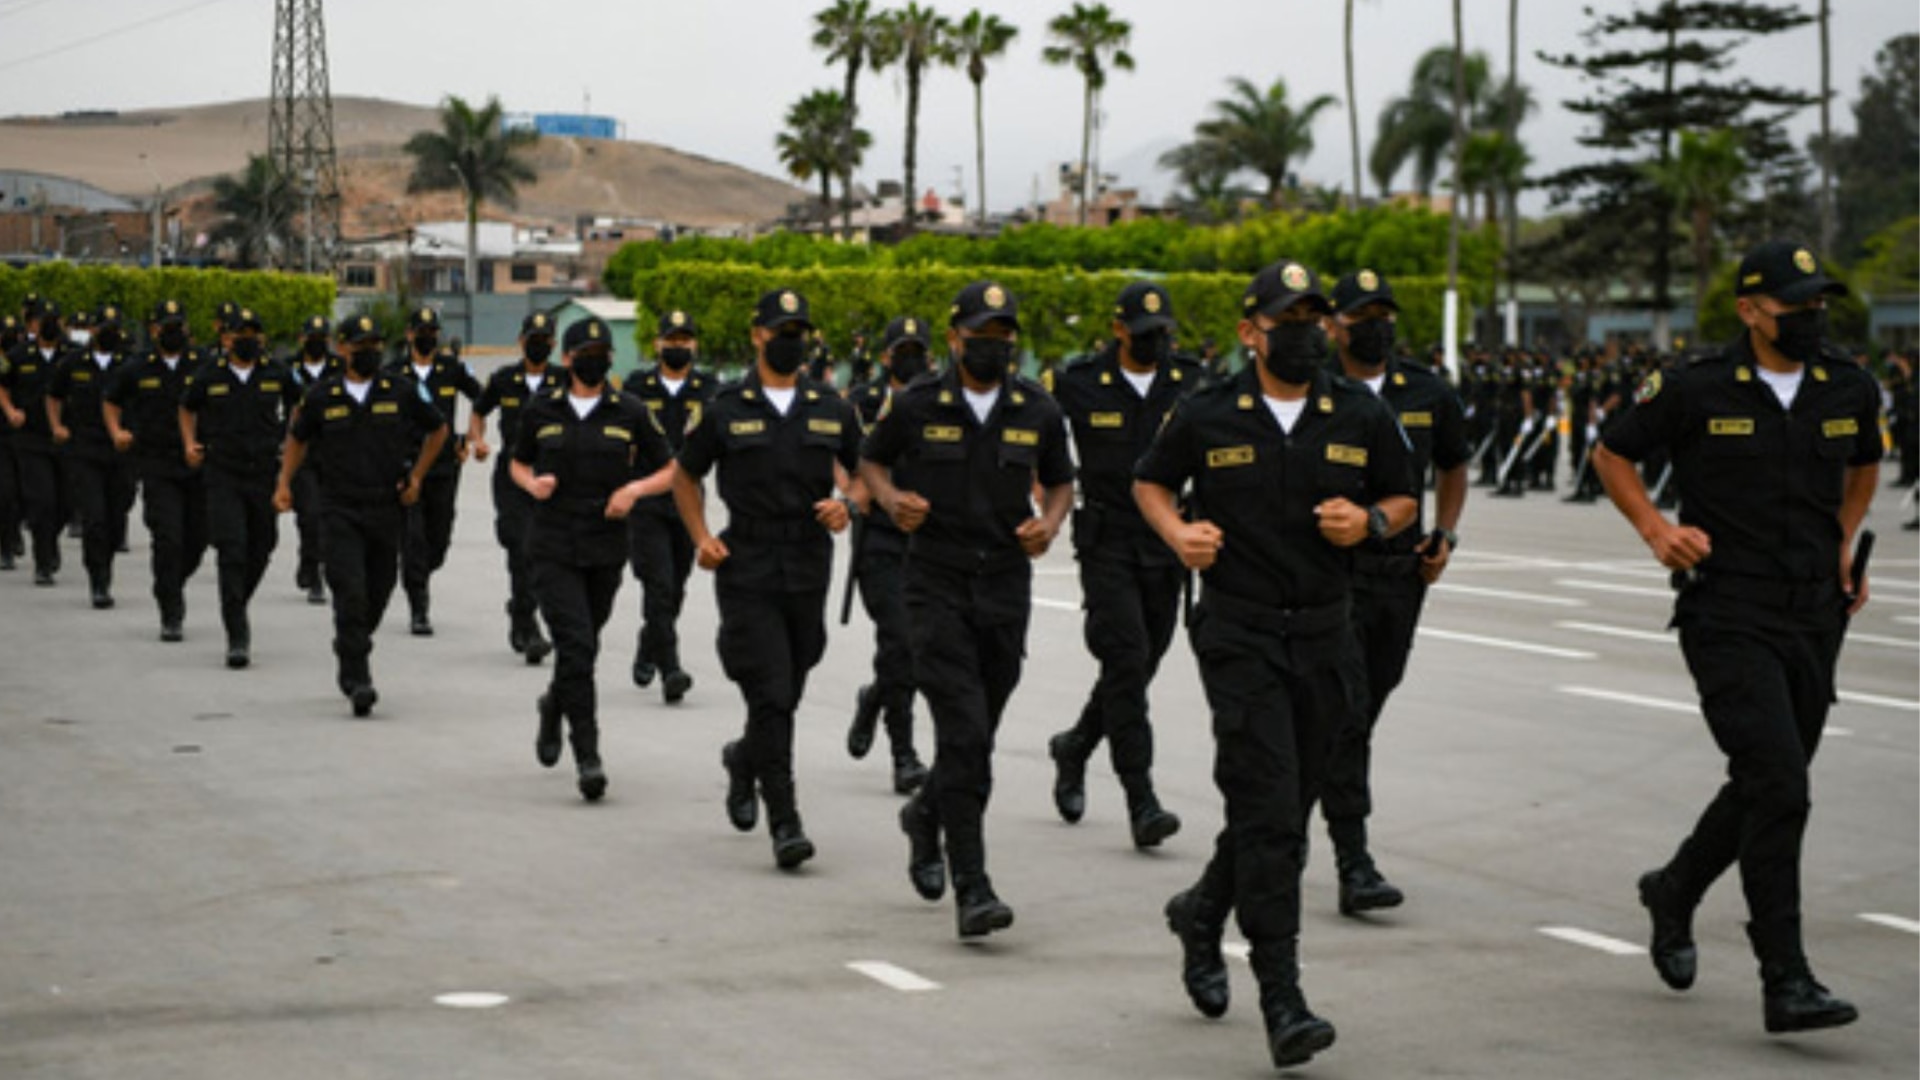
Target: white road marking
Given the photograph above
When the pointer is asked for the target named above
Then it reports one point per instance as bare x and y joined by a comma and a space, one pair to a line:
1895, 921
1855, 698
1910, 620
1630, 699
1576, 936
471, 999
1616, 631
1876, 639
1508, 594
1503, 643
1239, 950
1613, 587
1881, 583
1839, 732
1652, 573
1057, 605
892, 977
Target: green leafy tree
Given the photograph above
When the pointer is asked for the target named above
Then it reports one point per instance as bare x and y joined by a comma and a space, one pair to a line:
1491, 167
473, 154
1090, 40
1263, 131
818, 142
978, 38
1206, 169
1877, 168
913, 37
256, 207
847, 32
1703, 178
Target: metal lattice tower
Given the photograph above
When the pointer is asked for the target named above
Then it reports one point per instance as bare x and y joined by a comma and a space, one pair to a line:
300, 131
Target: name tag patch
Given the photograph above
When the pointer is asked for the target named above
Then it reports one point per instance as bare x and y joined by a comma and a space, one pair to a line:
1340, 454
217, 389
551, 431
824, 427
619, 433
1227, 457
1021, 437
336, 412
940, 433
1730, 425
269, 387
385, 408
747, 427
149, 384
1416, 419
1106, 419
1835, 429
510, 402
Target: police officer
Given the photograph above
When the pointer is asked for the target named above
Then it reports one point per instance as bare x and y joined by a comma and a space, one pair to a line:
101, 483
31, 369
676, 392
142, 412
11, 543
974, 442
361, 430
233, 417
1775, 454
881, 560
1130, 583
780, 442
1390, 576
446, 379
314, 363
585, 452
509, 391
1291, 468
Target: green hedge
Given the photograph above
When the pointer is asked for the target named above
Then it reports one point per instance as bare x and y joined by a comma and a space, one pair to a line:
1061, 312
283, 301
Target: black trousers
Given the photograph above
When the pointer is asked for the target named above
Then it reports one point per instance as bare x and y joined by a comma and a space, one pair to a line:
1386, 611
244, 529
363, 562
174, 506
44, 505
102, 490
512, 514
882, 583
12, 510
661, 554
1276, 702
576, 602
309, 517
969, 635
429, 531
1765, 678
769, 642
1131, 611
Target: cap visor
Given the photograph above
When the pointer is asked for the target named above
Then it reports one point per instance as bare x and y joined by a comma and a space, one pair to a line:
1312, 299
975, 322
779, 321
1809, 287
1147, 324
1364, 299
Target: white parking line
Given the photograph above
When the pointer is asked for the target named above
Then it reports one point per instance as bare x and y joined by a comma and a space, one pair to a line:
1503, 643
896, 978
1876, 639
1855, 698
1894, 921
1896, 583
1576, 936
1616, 631
1508, 594
1910, 620
1613, 587
1239, 950
1630, 699
1056, 605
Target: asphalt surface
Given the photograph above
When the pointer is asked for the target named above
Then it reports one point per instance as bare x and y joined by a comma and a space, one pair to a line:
211, 874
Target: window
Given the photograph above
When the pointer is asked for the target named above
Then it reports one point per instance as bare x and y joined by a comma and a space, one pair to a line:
525, 273
358, 276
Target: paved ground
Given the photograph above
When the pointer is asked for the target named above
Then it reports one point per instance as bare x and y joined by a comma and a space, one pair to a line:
207, 874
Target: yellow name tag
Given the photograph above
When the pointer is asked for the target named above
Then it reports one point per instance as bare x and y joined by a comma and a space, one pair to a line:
551, 431
656, 404
1346, 455
217, 389
269, 387
510, 402
149, 384
385, 408
448, 391
337, 412
940, 433
824, 427
619, 433
1021, 437
83, 376
1730, 425
747, 427
1834, 429
1106, 419
1416, 419
1228, 456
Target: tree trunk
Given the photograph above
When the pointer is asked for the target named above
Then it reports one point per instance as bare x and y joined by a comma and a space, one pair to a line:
1450, 323
1513, 140
1086, 150
473, 251
853, 121
1702, 260
1353, 115
1663, 209
826, 201
980, 149
913, 134
1829, 225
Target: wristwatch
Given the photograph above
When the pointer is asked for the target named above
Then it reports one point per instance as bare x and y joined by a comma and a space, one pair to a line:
1376, 523
1452, 538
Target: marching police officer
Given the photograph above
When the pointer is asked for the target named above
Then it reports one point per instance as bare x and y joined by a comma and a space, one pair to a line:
1130, 582
360, 430
1291, 468
509, 391
446, 379
101, 483
142, 413
233, 418
11, 544
1775, 453
1390, 576
880, 560
780, 442
585, 452
974, 442
313, 364
30, 371
676, 392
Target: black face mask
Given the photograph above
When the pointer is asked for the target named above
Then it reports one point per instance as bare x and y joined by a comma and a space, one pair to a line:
246, 350
366, 362
1295, 351
786, 354
538, 350
1799, 334
591, 367
1151, 348
985, 360
908, 364
676, 357
315, 349
1371, 342
107, 341
51, 334
173, 339
424, 344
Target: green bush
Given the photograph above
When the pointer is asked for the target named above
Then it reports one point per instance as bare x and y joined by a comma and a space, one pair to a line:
283, 301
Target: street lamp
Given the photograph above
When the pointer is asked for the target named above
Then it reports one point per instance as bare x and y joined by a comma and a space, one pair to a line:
153, 258
307, 183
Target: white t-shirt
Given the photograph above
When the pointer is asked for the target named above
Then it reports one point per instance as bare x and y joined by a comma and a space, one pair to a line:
782, 397
242, 373
420, 372
582, 405
1784, 384
359, 390
534, 381
673, 385
981, 402
1141, 380
1286, 413
1374, 384
172, 362
314, 371
102, 359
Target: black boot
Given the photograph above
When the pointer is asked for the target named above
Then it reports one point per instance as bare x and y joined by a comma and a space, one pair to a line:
535, 646
790, 844
1793, 1000
977, 911
1294, 1033
420, 625
239, 640
100, 587
1203, 970
586, 761
1674, 954
546, 743
1151, 823
1069, 777
674, 682
866, 716
1362, 888
743, 807
926, 866
909, 773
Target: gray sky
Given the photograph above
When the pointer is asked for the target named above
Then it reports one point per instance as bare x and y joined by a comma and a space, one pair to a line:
714, 77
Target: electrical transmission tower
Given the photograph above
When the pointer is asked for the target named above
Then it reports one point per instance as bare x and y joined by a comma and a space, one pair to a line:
300, 131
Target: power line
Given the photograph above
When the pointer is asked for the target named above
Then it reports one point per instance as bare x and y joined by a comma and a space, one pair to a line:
22, 5
138, 24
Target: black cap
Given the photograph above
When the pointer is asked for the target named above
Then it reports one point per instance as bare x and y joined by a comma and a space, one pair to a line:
1143, 307
81, 319
538, 324
317, 326
246, 319
30, 305
677, 322
781, 307
981, 303
1786, 271
108, 315
586, 334
904, 328
223, 315
169, 313
46, 309
1357, 290
1281, 286
359, 330
423, 318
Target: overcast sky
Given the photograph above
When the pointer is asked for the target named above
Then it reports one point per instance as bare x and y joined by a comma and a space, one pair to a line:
714, 77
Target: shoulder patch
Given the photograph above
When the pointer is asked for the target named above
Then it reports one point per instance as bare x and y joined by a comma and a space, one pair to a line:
1648, 390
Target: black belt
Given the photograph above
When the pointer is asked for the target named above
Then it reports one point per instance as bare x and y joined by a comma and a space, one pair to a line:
963, 558
1369, 564
1286, 622
773, 528
580, 505
1767, 592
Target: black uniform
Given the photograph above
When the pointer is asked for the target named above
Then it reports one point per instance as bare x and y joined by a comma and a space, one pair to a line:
173, 497
881, 577
29, 372
359, 450
509, 391
659, 548
1130, 583
430, 521
11, 543
100, 481
1544, 391
308, 374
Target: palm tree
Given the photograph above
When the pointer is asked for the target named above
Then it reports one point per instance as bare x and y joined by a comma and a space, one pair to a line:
1263, 131
1453, 217
256, 206
474, 155
913, 37
1089, 39
847, 31
820, 142
1418, 127
1353, 112
980, 37
1205, 168
1705, 175
1492, 166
